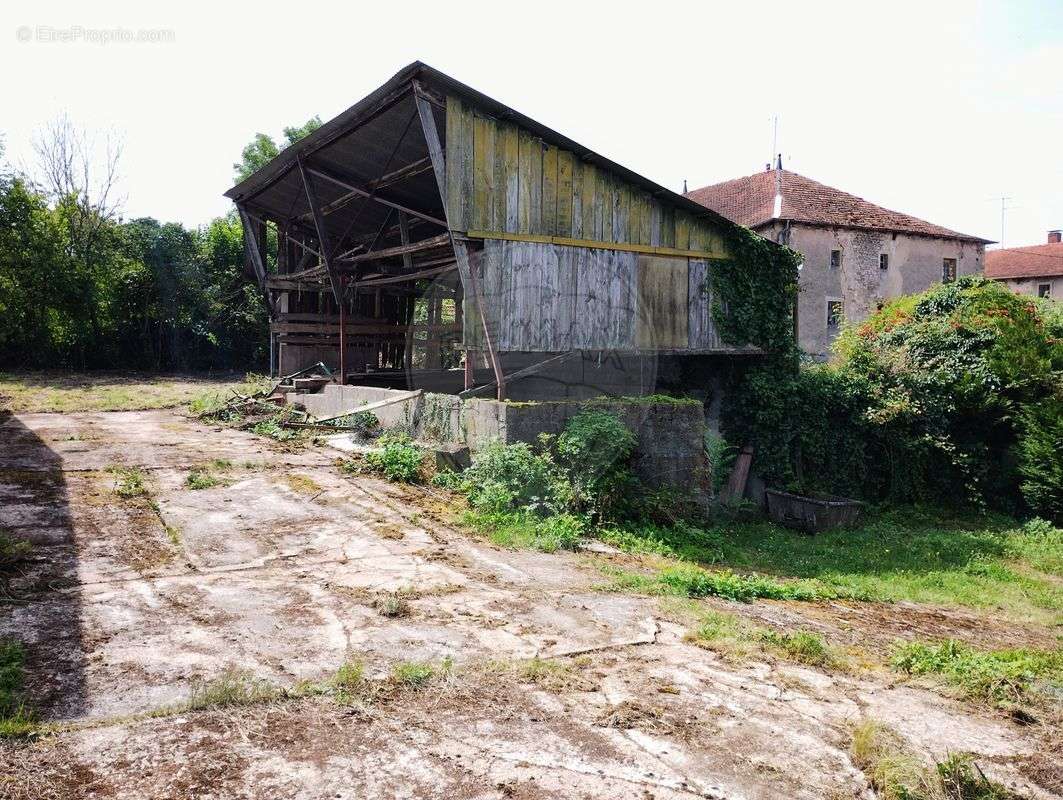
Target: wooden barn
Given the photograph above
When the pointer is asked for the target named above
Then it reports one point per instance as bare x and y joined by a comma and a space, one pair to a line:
432, 237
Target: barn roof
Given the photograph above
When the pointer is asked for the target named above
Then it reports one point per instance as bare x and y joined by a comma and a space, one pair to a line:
360, 139
751, 201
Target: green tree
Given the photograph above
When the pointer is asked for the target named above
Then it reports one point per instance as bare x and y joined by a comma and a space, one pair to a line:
263, 149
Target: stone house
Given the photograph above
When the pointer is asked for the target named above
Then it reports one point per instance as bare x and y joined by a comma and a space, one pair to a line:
856, 254
1035, 270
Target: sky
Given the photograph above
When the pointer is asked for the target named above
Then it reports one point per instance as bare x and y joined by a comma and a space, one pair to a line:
937, 109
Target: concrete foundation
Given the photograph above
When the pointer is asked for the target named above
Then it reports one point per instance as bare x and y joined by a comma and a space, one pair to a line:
670, 434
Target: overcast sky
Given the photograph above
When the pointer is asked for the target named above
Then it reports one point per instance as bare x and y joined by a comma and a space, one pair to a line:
932, 108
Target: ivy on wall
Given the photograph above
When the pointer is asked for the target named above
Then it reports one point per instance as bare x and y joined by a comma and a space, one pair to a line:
754, 292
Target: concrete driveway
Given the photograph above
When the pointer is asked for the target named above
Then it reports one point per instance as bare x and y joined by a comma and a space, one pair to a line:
282, 572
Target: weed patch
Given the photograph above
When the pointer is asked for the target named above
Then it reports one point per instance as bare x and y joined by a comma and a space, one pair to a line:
415, 674
527, 530
399, 459
16, 721
129, 482
12, 551
896, 774
1004, 678
232, 688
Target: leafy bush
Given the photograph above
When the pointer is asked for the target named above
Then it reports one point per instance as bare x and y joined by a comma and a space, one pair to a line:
513, 476
595, 449
721, 457
946, 394
526, 529
1040, 457
399, 459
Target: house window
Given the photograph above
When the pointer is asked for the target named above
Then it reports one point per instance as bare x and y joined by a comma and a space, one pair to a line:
948, 270
835, 259
1044, 290
835, 312
884, 261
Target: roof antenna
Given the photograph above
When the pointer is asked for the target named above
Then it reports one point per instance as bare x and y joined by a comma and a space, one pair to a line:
774, 137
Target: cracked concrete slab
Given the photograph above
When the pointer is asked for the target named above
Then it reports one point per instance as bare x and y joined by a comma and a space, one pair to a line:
127, 602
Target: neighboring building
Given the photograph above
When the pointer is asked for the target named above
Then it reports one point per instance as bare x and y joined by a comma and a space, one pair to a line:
856, 254
1036, 270
429, 219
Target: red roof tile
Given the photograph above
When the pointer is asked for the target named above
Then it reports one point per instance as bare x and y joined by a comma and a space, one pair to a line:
1038, 261
750, 201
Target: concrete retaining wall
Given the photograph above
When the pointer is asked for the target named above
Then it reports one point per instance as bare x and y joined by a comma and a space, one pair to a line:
670, 451
670, 435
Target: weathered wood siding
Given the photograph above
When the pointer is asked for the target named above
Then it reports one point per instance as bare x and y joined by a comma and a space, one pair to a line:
543, 297
501, 179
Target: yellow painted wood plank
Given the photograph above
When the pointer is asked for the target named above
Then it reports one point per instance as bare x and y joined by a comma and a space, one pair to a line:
527, 149
682, 230
482, 173
563, 227
594, 244
548, 224
589, 179
511, 176
498, 178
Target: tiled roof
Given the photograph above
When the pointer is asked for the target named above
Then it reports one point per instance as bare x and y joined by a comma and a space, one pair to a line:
1038, 261
750, 201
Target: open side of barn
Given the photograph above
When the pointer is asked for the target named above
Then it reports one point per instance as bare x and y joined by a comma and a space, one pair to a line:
432, 237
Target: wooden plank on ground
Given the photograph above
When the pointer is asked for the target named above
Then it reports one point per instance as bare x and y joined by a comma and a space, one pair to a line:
402, 398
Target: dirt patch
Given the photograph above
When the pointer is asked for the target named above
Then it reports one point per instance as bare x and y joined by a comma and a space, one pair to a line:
876, 627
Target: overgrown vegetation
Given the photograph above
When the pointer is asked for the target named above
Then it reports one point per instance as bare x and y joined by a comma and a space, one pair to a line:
16, 721
753, 292
1005, 678
954, 395
897, 774
912, 554
82, 288
734, 636
205, 476
399, 459
129, 482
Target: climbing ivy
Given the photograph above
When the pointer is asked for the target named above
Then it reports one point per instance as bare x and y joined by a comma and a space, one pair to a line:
754, 291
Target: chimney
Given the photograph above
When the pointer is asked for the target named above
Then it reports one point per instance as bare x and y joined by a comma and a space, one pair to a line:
778, 161
684, 185
1054, 237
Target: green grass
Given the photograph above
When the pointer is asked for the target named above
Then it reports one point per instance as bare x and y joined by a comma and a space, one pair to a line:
526, 530
129, 482
1004, 678
204, 476
213, 401
906, 554
413, 673
67, 392
16, 721
683, 579
232, 688
897, 774
737, 637
12, 551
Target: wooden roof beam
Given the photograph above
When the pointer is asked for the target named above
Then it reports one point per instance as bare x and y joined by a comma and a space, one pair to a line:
348, 184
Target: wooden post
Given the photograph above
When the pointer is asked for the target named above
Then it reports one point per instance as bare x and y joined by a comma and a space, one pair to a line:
470, 368
343, 342
461, 252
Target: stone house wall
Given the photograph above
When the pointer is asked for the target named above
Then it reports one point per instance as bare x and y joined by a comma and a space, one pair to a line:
915, 263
